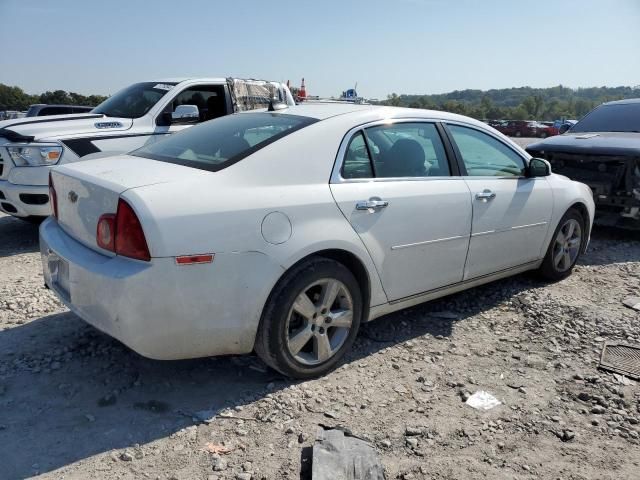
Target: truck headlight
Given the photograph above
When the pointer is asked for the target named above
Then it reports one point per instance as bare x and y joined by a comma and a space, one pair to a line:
34, 155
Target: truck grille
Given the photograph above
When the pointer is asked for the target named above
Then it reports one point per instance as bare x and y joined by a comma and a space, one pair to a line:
605, 174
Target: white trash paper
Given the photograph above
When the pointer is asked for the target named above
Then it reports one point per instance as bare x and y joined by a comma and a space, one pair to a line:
482, 400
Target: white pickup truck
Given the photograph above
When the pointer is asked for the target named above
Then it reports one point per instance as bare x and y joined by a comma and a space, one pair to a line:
141, 113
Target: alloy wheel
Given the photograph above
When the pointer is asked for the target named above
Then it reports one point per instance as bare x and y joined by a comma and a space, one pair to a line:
567, 245
319, 321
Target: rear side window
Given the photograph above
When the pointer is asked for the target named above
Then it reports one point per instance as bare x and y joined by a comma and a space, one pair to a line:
356, 161
396, 151
222, 142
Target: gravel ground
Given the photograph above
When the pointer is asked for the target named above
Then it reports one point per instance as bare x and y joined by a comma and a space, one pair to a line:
76, 404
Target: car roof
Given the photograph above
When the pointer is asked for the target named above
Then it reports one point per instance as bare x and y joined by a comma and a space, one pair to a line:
622, 102
177, 80
322, 110
42, 105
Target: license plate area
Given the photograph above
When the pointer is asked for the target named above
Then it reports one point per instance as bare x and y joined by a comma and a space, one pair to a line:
59, 271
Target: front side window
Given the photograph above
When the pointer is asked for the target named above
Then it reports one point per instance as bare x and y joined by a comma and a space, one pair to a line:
484, 156
209, 99
222, 142
135, 100
397, 150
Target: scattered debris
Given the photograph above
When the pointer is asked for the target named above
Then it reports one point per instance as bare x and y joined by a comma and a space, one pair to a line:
621, 358
216, 448
621, 379
338, 456
482, 400
632, 302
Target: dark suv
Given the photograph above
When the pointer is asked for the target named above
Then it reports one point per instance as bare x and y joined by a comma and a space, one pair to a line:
603, 151
41, 110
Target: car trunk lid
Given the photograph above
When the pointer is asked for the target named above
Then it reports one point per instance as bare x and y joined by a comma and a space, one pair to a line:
87, 190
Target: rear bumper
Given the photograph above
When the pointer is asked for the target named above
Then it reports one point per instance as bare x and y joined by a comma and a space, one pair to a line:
31, 203
160, 310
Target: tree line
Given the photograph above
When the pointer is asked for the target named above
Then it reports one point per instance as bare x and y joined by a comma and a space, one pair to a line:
14, 98
523, 103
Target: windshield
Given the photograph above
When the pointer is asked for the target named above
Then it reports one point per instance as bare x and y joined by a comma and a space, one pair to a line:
134, 101
619, 117
216, 144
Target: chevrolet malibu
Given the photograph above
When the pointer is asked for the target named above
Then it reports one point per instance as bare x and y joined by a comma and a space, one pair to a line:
282, 231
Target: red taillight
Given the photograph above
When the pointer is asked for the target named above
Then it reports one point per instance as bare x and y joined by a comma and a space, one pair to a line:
122, 233
129, 236
53, 198
106, 232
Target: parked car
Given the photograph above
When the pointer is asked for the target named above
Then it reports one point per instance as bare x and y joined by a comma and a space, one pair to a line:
548, 129
566, 125
283, 231
42, 110
603, 151
140, 114
520, 128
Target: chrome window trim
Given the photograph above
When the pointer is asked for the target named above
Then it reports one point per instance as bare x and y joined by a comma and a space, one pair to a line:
336, 173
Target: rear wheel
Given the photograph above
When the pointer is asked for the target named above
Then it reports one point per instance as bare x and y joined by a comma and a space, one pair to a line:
311, 319
565, 247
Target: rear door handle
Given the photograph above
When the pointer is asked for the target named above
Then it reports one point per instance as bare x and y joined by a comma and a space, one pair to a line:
373, 204
485, 196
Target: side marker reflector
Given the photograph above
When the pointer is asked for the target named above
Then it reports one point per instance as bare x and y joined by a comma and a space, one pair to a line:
194, 259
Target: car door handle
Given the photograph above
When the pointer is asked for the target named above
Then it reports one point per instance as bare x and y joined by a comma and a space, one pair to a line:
485, 196
372, 204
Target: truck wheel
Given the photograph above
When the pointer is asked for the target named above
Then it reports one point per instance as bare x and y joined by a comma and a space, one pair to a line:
311, 319
565, 247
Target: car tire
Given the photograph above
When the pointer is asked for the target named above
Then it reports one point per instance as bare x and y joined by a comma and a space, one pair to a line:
543, 135
34, 220
563, 252
296, 310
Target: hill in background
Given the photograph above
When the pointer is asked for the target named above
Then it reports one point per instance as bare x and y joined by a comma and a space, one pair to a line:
522, 103
14, 98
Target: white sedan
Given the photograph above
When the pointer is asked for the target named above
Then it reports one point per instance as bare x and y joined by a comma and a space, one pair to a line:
282, 231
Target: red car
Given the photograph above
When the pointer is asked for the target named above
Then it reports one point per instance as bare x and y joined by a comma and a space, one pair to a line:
549, 130
520, 128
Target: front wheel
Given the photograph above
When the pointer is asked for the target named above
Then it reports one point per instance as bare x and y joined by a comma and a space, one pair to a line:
311, 319
565, 247
34, 220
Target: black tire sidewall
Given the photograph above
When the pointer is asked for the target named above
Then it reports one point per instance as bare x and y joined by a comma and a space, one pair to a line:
273, 324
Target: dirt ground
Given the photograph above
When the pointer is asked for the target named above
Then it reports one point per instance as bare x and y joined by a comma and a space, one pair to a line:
76, 404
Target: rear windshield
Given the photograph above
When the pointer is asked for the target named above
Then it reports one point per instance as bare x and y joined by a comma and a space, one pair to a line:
621, 117
216, 144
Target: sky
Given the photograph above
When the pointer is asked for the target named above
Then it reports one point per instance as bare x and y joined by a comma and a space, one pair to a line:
402, 46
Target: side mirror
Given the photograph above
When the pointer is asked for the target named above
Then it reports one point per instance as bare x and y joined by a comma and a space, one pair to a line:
538, 168
564, 128
185, 114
